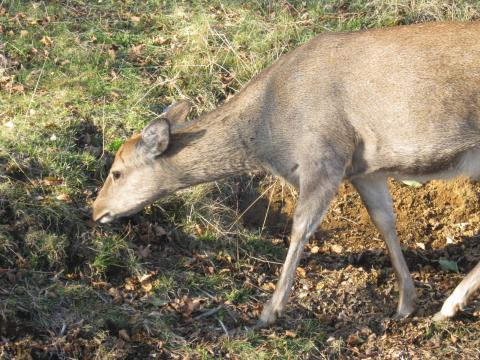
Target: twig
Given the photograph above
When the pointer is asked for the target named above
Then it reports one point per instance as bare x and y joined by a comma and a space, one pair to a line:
223, 327
349, 220
103, 128
268, 208
36, 86
249, 207
261, 260
208, 313
158, 83
206, 293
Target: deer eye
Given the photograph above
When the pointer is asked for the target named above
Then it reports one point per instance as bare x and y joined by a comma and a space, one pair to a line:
116, 175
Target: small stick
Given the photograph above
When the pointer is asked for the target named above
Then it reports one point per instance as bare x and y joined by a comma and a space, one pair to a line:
349, 220
223, 327
208, 313
36, 87
259, 259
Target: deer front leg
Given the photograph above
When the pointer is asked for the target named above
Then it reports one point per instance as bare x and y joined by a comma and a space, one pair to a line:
375, 195
311, 207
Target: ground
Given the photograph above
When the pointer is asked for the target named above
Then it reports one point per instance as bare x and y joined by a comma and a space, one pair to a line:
187, 277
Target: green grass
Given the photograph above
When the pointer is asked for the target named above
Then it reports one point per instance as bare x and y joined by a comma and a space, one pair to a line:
81, 78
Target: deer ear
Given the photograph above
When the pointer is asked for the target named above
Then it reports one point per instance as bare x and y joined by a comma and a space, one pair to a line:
156, 136
177, 112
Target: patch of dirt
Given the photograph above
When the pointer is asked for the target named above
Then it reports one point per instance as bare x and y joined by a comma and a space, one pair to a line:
269, 207
437, 214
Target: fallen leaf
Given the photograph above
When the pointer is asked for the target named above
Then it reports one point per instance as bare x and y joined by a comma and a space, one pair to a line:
290, 333
135, 19
18, 88
199, 230
159, 40
44, 21
116, 294
147, 286
99, 284
420, 245
268, 286
51, 181
354, 339
64, 198
46, 41
448, 265
315, 249
337, 249
123, 334
115, 94
130, 284
186, 306
301, 272
277, 241
138, 49
412, 183
144, 277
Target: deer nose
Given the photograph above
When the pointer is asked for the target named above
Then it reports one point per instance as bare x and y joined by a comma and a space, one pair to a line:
104, 217
101, 214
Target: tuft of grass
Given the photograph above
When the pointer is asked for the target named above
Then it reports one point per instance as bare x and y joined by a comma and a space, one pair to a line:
112, 254
45, 250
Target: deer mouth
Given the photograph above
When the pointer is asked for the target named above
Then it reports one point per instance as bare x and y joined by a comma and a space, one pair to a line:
104, 218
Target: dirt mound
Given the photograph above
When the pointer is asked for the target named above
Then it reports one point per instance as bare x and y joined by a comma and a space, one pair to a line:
431, 217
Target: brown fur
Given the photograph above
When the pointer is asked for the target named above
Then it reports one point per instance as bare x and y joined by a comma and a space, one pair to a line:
402, 102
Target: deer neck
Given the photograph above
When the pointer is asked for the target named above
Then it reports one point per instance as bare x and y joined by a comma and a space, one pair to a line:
212, 147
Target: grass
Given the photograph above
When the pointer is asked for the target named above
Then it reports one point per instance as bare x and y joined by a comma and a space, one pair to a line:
81, 77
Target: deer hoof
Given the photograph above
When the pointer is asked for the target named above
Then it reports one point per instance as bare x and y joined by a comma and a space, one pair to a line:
267, 318
439, 317
404, 311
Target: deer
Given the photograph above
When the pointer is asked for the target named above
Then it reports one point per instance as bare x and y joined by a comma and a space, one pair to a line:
364, 106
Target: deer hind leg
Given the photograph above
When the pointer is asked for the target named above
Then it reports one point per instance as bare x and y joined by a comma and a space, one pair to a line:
375, 195
460, 296
316, 191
